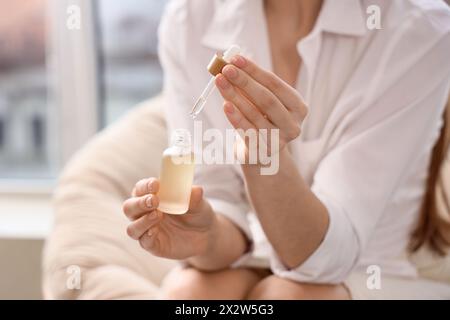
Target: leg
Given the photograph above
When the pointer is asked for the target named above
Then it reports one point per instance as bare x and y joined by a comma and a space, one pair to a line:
276, 288
194, 284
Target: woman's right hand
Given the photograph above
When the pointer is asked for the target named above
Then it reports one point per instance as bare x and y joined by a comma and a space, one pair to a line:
168, 235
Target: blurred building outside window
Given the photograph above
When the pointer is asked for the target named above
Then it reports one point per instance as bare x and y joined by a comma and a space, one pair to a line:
130, 69
24, 100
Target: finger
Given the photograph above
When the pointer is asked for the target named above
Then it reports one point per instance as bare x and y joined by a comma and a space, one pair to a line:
137, 228
146, 186
136, 207
148, 240
236, 118
230, 93
242, 125
290, 97
261, 97
196, 199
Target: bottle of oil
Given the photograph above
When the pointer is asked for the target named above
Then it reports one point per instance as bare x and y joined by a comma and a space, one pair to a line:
177, 172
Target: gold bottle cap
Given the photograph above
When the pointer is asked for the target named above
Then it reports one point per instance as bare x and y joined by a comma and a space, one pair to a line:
216, 64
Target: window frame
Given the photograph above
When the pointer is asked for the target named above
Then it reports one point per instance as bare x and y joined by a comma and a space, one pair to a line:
76, 76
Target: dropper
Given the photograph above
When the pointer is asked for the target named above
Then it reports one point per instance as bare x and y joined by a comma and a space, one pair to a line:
214, 67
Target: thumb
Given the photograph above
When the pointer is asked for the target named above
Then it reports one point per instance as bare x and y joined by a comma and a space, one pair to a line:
196, 198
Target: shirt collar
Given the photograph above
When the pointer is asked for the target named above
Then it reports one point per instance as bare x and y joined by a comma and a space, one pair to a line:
238, 20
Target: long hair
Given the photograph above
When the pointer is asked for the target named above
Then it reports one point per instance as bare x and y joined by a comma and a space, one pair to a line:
433, 227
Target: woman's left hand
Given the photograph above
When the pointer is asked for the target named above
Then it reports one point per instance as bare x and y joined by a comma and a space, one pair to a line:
258, 99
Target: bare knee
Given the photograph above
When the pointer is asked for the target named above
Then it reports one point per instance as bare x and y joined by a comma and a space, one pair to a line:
276, 288
193, 284
184, 284
273, 288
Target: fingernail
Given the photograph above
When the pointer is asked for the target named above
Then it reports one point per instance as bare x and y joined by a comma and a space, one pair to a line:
239, 61
150, 186
222, 82
230, 71
148, 202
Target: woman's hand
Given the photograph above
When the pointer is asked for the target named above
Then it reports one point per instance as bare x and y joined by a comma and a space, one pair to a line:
258, 99
167, 235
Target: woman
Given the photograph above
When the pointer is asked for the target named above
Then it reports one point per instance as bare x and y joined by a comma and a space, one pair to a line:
359, 111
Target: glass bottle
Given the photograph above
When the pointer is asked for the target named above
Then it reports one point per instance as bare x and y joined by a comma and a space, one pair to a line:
177, 173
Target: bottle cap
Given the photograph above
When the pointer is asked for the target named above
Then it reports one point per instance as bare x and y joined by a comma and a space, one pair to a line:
220, 60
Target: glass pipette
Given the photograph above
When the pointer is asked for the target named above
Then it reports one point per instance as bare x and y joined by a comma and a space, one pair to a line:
201, 101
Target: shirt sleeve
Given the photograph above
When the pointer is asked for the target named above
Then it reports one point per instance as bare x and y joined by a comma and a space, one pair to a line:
397, 120
223, 187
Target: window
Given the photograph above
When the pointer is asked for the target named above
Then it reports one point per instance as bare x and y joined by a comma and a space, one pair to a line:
59, 86
26, 122
129, 68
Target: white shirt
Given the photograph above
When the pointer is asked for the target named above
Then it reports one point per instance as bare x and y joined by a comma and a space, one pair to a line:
375, 100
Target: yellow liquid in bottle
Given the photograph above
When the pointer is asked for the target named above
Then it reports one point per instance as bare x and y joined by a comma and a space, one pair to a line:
177, 173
